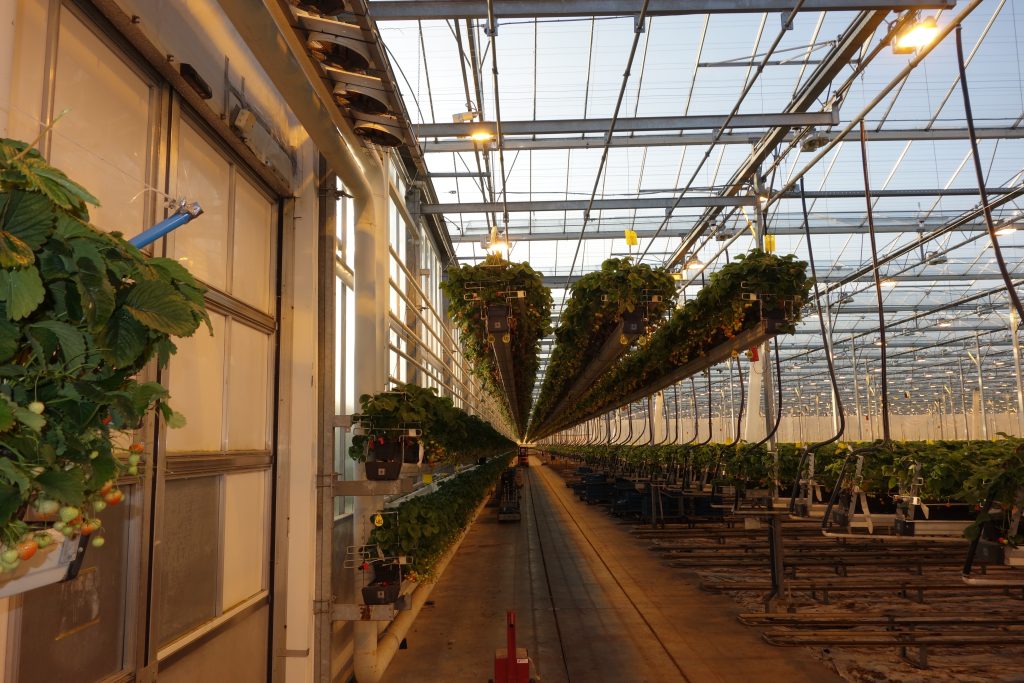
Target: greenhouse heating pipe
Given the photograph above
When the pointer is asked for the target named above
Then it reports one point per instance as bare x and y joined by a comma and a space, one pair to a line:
185, 213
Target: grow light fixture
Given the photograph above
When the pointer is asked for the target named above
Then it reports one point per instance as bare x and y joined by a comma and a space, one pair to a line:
814, 140
481, 136
694, 263
1006, 230
496, 246
920, 35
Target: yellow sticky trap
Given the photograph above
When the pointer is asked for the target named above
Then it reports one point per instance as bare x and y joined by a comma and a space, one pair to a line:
631, 240
378, 520
769, 244
428, 478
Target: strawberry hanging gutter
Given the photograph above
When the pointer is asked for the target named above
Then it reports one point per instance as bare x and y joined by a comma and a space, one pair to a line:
607, 312
744, 304
503, 310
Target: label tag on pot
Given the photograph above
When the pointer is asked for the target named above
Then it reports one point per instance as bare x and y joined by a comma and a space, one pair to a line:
428, 478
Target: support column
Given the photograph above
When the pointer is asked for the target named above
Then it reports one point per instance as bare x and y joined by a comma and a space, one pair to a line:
752, 422
980, 396
1014, 324
658, 419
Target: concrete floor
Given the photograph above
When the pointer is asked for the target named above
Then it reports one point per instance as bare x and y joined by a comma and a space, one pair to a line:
592, 605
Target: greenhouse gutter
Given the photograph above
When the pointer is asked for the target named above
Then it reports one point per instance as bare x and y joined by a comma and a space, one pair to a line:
755, 336
611, 350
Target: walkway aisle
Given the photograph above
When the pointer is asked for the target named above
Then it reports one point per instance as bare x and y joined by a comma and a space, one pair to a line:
619, 615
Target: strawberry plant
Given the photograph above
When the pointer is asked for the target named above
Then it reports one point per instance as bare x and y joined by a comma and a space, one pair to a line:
426, 526
82, 312
448, 434
595, 306
471, 290
718, 313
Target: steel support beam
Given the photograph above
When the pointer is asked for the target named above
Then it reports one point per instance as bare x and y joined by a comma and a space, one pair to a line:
561, 281
704, 139
860, 30
415, 10
696, 201
625, 125
582, 204
475, 237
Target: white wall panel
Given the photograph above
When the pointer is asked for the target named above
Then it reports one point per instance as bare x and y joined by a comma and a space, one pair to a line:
197, 389
204, 175
252, 274
245, 536
101, 140
248, 389
24, 107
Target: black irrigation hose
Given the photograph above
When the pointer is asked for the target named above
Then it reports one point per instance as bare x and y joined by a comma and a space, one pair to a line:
986, 210
881, 332
696, 413
739, 414
827, 340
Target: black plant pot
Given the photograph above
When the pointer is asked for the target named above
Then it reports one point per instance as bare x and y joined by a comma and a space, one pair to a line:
383, 471
381, 593
384, 461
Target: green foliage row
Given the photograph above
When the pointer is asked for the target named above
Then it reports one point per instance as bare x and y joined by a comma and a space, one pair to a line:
718, 313
951, 470
426, 526
491, 281
595, 306
449, 434
81, 313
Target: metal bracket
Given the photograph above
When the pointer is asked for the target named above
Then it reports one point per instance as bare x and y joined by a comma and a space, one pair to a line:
491, 31
639, 25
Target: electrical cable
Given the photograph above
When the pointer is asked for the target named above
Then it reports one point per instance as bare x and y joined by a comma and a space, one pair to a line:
986, 211
829, 359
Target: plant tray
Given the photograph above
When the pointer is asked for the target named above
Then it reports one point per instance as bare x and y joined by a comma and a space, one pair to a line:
378, 594
49, 565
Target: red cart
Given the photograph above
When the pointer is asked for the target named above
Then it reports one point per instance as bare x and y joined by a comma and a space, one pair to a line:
514, 669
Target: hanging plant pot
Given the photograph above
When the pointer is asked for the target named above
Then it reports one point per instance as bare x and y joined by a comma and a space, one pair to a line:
384, 461
497, 319
386, 586
52, 564
381, 593
633, 323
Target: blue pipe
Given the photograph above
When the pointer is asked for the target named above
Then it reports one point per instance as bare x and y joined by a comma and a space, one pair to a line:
183, 216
